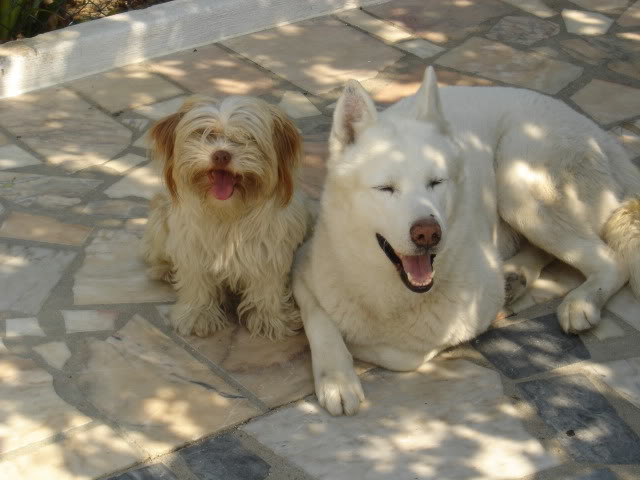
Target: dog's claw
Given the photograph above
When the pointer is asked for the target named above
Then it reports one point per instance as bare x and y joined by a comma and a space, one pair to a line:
340, 393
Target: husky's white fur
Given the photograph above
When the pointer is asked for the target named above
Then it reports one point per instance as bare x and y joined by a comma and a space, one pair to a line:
499, 170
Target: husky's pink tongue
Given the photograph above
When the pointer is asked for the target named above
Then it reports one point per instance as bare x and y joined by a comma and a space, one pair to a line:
222, 184
418, 269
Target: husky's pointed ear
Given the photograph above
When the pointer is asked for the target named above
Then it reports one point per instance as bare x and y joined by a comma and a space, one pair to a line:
427, 105
354, 112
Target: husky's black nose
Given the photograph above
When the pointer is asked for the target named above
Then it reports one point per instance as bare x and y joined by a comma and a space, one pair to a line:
426, 232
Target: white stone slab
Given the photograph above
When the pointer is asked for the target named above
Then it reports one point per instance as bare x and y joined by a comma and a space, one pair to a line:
448, 421
12, 156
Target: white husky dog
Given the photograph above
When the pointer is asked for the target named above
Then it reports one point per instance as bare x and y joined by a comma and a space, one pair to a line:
423, 200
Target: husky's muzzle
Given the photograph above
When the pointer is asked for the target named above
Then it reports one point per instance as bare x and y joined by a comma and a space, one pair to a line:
416, 271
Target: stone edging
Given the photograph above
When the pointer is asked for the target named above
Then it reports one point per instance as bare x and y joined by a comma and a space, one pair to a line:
131, 37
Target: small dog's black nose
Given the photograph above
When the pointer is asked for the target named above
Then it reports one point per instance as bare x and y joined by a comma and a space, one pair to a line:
221, 158
426, 232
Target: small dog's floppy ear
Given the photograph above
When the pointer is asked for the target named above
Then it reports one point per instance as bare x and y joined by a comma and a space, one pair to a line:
288, 146
427, 106
354, 112
162, 138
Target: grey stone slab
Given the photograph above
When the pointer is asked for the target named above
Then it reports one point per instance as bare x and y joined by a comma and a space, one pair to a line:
224, 458
600, 474
530, 347
153, 472
587, 426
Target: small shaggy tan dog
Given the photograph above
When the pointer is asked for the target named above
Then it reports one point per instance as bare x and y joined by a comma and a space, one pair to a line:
232, 217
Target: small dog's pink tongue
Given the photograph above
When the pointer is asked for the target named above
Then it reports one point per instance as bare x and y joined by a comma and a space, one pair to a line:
222, 184
418, 269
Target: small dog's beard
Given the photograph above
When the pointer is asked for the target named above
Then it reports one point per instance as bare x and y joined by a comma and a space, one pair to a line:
254, 177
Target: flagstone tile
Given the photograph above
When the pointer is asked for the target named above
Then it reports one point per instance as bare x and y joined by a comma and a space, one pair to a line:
211, 71
30, 408
585, 23
501, 62
276, 372
621, 375
55, 354
626, 306
529, 347
586, 424
381, 29
312, 54
534, 7
608, 102
386, 91
297, 105
225, 458
151, 387
60, 126
114, 208
143, 140
522, 30
127, 87
136, 123
606, 329
610, 6
21, 327
113, 272
584, 51
143, 182
43, 229
631, 17
81, 455
439, 21
630, 69
88, 320
27, 275
420, 48
599, 474
417, 424
12, 156
156, 471
161, 109
124, 163
28, 189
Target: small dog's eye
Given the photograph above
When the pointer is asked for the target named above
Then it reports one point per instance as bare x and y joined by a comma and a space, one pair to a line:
435, 182
386, 188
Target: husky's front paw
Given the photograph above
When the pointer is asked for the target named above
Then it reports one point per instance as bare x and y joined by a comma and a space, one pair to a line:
339, 391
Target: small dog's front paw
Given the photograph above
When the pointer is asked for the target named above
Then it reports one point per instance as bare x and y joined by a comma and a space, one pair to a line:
340, 392
272, 325
161, 272
193, 321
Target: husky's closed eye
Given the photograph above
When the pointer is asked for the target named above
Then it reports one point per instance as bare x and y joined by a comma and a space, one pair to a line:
386, 188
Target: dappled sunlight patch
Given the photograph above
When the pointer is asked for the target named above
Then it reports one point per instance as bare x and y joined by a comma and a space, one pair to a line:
177, 399
450, 420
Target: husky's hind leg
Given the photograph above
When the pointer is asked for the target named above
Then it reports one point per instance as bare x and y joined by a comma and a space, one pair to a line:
521, 270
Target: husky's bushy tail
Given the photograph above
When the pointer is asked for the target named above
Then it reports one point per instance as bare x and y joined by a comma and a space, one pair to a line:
622, 234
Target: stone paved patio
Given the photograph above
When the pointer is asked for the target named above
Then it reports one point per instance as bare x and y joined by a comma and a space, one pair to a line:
95, 385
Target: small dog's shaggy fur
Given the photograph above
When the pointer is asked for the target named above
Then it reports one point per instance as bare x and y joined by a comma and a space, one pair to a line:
232, 217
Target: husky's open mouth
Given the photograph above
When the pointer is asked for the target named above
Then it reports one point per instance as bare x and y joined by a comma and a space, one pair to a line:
416, 271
